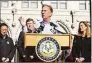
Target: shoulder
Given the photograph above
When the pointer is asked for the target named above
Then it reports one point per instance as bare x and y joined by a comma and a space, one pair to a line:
77, 36
88, 38
22, 32
54, 21
37, 24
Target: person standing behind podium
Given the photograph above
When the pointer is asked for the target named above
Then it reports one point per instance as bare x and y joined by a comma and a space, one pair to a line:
81, 49
6, 44
30, 29
47, 25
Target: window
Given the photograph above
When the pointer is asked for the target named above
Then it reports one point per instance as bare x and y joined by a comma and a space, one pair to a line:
62, 5
33, 4
4, 4
25, 4
59, 4
82, 5
88, 5
29, 4
54, 5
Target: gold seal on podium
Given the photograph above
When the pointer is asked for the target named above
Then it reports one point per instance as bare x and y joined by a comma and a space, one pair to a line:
48, 49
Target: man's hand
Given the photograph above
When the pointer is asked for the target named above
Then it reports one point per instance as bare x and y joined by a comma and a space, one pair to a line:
82, 59
3, 59
31, 57
24, 56
78, 60
22, 21
7, 60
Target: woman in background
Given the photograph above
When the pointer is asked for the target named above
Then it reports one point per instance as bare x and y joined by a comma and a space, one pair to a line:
81, 49
6, 44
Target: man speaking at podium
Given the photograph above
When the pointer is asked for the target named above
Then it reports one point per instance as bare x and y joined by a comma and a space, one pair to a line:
47, 25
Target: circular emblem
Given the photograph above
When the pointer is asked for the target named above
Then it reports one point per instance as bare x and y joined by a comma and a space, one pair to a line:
48, 49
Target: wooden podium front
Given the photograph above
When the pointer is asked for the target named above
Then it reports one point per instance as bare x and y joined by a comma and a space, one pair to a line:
31, 39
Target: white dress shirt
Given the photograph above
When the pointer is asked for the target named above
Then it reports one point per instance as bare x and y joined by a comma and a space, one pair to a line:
48, 29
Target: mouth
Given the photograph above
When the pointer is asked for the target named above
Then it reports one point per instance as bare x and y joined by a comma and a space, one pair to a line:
4, 34
42, 14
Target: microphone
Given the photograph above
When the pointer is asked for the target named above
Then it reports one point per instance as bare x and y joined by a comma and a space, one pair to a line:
53, 31
40, 28
52, 24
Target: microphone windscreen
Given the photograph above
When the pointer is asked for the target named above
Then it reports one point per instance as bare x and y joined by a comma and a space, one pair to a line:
52, 24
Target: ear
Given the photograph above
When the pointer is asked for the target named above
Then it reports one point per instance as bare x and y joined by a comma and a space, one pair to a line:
34, 22
50, 14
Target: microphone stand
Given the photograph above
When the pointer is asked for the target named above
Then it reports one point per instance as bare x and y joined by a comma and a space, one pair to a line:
16, 52
57, 31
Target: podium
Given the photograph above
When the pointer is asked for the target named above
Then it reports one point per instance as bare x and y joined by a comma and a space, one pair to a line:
31, 39
44, 42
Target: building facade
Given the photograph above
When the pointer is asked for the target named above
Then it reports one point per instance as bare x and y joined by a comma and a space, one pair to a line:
67, 13
70, 13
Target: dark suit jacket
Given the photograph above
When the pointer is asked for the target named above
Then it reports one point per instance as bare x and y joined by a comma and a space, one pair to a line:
6, 48
21, 42
82, 44
22, 50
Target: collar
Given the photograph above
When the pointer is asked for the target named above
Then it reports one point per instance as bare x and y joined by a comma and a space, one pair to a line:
4, 37
43, 22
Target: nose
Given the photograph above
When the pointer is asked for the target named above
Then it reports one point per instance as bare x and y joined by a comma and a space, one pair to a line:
4, 32
42, 11
29, 26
